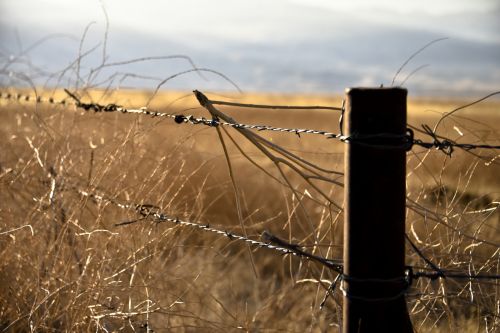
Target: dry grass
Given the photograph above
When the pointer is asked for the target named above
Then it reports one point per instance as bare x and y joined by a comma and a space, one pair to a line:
66, 267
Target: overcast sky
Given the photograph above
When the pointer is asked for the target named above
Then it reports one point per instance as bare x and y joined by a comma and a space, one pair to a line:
260, 44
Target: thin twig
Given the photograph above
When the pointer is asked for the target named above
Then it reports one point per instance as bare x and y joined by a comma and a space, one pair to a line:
275, 107
414, 55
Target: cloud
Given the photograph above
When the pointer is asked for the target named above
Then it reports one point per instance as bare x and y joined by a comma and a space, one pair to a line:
295, 47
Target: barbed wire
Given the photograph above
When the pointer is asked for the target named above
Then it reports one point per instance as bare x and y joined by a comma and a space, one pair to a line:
178, 118
454, 275
272, 242
447, 145
439, 143
406, 141
438, 272
269, 241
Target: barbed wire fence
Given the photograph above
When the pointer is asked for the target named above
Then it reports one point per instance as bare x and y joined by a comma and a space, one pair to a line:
153, 213
424, 286
446, 145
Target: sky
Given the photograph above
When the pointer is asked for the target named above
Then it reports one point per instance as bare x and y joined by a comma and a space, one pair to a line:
311, 46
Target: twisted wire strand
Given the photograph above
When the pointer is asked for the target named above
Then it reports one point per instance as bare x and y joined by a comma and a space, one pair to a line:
405, 141
276, 244
178, 118
269, 242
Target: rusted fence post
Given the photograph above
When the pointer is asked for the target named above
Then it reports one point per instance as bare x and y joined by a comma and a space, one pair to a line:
375, 192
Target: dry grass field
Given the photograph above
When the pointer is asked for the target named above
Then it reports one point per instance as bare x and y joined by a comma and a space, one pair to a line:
66, 266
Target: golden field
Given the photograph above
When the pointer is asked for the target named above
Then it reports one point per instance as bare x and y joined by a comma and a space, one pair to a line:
67, 267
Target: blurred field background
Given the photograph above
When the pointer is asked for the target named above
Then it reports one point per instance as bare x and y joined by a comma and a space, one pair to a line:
66, 266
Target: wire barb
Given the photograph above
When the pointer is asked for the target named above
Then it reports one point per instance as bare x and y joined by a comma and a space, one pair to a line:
447, 145
439, 272
331, 289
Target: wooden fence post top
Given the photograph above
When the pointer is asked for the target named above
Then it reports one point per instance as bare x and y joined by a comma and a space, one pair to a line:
378, 89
